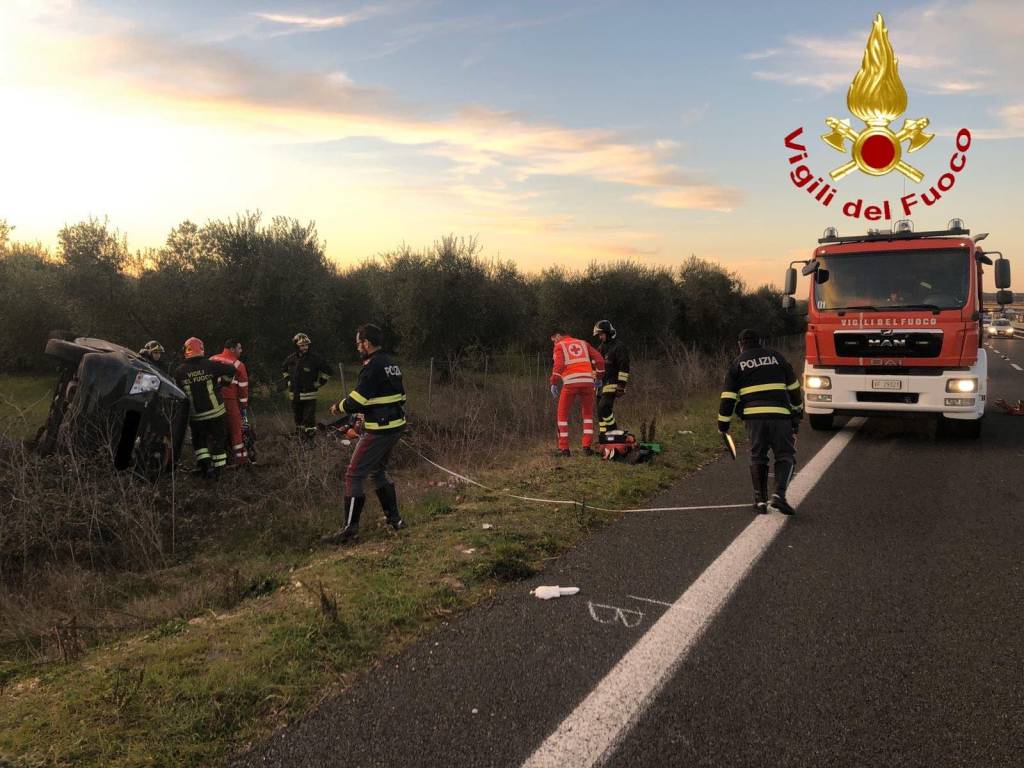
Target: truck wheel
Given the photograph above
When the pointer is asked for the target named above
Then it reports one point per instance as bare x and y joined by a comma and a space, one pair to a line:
820, 422
67, 351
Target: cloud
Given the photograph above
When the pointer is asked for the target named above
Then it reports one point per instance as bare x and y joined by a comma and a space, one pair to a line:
937, 46
205, 85
697, 197
300, 23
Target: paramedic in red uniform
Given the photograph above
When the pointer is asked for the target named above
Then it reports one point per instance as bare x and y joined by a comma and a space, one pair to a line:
577, 369
235, 395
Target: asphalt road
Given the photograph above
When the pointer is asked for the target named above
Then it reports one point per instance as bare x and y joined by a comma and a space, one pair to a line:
882, 626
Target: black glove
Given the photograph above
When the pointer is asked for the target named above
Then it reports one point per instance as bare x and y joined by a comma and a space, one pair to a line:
723, 426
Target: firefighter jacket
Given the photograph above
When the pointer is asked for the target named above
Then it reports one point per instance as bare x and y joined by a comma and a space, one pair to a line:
760, 384
200, 378
304, 374
238, 387
575, 362
616, 365
379, 394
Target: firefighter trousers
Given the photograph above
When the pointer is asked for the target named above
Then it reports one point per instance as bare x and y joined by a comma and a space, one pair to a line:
566, 401
208, 443
305, 417
233, 423
605, 414
369, 462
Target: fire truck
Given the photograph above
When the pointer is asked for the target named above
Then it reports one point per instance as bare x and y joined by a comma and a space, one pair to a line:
894, 325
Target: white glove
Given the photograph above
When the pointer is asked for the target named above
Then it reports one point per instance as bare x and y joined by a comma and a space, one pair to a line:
555, 389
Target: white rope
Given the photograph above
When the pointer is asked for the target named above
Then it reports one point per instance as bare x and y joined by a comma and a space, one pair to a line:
571, 502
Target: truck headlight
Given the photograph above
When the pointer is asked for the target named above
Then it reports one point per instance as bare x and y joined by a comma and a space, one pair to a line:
145, 382
962, 385
819, 382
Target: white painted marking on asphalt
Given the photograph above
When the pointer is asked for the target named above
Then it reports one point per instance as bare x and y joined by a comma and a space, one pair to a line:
1014, 365
590, 734
612, 614
648, 600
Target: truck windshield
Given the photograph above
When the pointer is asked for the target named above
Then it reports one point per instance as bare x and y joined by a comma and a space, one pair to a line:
881, 280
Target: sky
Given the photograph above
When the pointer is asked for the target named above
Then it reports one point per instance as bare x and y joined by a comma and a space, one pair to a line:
557, 132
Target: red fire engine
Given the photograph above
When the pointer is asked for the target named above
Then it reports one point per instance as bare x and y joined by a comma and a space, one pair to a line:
894, 325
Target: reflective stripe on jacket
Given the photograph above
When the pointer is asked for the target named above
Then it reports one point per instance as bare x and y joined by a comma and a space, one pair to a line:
379, 394
575, 362
199, 378
238, 387
304, 375
760, 384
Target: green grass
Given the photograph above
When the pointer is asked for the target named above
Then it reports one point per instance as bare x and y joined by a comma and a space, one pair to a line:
24, 403
193, 690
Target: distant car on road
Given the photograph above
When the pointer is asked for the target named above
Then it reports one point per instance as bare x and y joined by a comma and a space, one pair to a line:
109, 399
999, 327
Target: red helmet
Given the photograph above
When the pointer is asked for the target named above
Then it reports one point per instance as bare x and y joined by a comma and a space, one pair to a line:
194, 348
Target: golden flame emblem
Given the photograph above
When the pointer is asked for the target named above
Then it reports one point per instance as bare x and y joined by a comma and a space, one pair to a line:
877, 97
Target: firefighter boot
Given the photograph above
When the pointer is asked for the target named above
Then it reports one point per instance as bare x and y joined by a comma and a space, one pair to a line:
783, 474
389, 503
353, 509
759, 476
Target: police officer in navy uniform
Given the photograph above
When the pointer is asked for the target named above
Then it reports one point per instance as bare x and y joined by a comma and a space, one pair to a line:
762, 389
379, 399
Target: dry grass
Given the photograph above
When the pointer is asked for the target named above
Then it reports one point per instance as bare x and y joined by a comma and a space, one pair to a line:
91, 557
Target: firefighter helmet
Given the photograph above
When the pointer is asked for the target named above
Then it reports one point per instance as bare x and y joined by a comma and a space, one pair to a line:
194, 348
300, 338
604, 326
151, 348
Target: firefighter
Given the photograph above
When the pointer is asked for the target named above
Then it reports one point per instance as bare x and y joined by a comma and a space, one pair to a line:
235, 395
303, 373
762, 389
379, 399
199, 377
576, 369
616, 377
153, 354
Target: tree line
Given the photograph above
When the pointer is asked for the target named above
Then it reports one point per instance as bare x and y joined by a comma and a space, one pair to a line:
263, 281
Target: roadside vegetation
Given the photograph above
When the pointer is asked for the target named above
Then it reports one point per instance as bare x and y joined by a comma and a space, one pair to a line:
174, 623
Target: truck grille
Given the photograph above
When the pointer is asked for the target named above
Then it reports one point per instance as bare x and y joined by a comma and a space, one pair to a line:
888, 343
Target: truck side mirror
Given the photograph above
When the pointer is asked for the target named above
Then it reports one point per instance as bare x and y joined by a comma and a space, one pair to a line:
810, 267
790, 287
788, 303
821, 276
1004, 297
1002, 273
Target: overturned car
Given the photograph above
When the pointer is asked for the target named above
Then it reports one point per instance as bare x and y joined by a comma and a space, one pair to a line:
109, 399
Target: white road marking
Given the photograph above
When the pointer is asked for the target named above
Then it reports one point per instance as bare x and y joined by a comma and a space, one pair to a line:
1014, 365
648, 600
591, 733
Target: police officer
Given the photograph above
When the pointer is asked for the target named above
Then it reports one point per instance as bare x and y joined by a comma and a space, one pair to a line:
379, 397
763, 390
616, 377
303, 373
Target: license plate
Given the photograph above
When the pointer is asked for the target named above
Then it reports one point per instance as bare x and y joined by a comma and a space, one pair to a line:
886, 384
